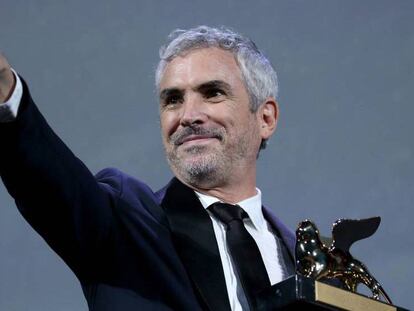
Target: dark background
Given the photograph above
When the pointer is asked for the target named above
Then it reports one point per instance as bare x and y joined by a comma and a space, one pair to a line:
343, 148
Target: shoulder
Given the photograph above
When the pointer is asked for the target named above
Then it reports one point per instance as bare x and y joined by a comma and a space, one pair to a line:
130, 192
121, 183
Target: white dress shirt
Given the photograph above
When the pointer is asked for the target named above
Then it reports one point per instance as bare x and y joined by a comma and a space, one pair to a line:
256, 224
262, 233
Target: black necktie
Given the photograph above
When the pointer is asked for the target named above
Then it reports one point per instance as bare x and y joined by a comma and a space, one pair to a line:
244, 251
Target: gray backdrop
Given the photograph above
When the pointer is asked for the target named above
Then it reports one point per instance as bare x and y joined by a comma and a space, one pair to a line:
344, 144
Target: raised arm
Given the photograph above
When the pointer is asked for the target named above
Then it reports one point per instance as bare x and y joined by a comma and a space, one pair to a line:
53, 189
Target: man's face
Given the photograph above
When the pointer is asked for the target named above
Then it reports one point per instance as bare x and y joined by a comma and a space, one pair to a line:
208, 131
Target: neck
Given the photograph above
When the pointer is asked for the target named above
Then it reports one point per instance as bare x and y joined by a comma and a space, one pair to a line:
235, 189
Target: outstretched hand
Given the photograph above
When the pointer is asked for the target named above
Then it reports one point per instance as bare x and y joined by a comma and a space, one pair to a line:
7, 79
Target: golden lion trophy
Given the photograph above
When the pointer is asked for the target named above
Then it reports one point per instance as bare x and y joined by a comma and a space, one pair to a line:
327, 275
317, 260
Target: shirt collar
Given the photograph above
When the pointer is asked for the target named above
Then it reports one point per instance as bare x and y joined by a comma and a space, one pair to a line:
252, 206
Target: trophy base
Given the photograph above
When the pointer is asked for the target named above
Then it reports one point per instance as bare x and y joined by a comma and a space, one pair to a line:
302, 293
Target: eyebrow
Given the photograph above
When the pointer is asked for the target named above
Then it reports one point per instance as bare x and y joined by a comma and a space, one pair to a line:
170, 91
220, 84
214, 84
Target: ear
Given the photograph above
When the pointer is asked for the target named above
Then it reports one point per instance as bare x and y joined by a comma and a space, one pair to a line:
268, 114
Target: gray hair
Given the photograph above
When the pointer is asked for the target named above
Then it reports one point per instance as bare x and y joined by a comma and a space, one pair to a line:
258, 74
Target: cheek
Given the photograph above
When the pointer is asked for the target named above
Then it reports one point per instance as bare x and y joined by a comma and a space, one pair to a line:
168, 124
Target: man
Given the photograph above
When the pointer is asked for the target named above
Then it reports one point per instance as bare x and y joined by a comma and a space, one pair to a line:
131, 248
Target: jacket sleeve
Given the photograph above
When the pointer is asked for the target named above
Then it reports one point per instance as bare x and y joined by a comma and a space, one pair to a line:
53, 189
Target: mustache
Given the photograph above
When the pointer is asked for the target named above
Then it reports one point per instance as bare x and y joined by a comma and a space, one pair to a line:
179, 137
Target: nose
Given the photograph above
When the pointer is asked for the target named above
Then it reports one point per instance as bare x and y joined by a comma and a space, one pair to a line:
193, 111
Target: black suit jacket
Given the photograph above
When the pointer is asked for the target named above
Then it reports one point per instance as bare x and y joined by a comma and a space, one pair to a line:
131, 248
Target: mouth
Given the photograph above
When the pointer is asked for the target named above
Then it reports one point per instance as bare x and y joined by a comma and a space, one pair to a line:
195, 135
195, 139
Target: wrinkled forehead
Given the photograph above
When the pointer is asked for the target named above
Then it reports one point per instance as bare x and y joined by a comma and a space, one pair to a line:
199, 66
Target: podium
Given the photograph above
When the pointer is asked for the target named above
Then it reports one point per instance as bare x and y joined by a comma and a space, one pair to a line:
302, 293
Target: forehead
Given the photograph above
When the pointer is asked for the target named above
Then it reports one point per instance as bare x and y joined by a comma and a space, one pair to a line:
200, 66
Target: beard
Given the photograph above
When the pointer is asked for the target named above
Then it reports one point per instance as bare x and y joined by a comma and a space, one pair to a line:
198, 165
206, 165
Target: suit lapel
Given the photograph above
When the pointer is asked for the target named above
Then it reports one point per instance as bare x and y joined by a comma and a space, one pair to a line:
196, 244
286, 239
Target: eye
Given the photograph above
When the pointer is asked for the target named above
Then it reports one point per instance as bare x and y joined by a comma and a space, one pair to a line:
172, 100
214, 94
